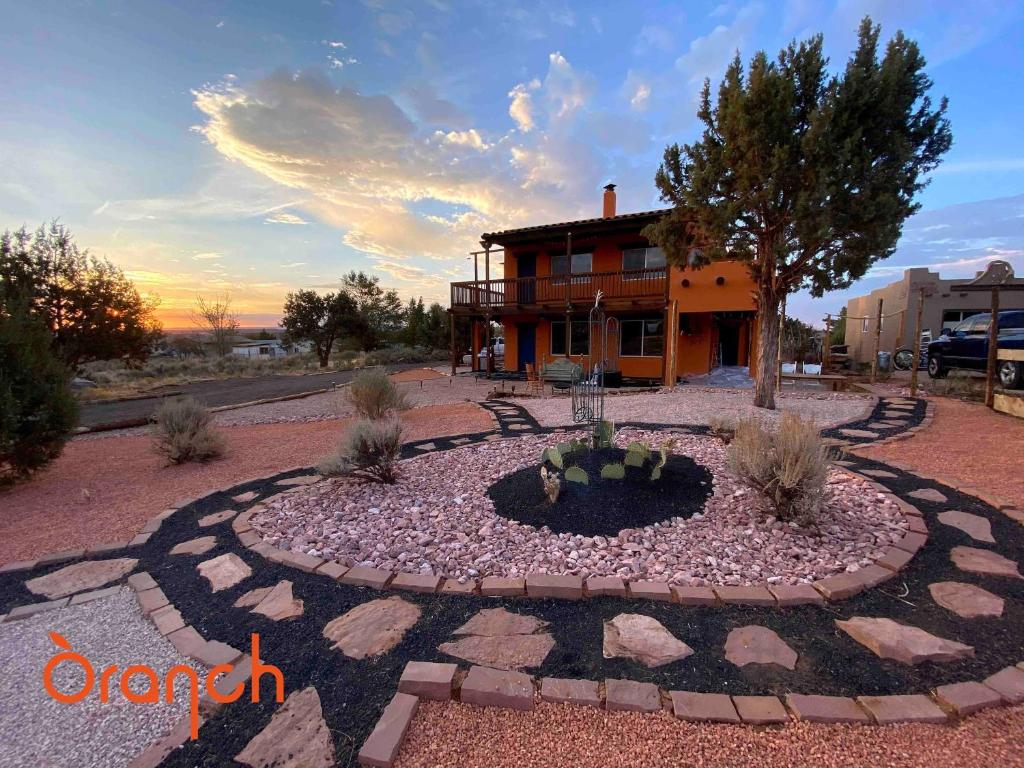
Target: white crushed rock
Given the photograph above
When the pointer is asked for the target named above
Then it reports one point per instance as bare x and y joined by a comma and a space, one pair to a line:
36, 730
438, 519
699, 405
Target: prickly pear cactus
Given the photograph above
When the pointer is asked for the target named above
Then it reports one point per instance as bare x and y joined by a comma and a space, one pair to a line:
553, 455
577, 475
616, 471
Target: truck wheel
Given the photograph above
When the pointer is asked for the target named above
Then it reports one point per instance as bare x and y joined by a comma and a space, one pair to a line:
1011, 374
935, 368
903, 359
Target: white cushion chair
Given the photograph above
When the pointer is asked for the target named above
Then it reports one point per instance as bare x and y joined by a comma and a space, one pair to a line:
789, 367
814, 368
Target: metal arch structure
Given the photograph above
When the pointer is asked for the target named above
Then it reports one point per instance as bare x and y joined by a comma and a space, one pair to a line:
587, 389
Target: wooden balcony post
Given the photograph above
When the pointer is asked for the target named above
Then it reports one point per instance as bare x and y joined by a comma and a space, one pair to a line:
568, 295
487, 299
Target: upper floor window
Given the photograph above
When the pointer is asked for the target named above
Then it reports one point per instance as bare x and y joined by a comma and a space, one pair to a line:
642, 258
581, 263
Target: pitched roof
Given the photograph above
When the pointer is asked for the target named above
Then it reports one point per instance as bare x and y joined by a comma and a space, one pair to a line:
581, 226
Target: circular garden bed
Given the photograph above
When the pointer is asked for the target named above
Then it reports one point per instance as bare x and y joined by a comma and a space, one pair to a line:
475, 511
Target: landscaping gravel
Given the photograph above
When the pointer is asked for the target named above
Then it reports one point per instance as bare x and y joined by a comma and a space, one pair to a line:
555, 735
439, 519
701, 405
36, 730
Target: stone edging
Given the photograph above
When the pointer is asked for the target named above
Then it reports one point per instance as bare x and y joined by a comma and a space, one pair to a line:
488, 687
542, 585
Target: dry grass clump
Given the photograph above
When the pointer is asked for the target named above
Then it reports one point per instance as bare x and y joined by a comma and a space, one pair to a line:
723, 428
375, 396
788, 465
184, 432
371, 449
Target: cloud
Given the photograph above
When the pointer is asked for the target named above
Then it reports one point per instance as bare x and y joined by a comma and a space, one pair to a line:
423, 100
521, 108
653, 37
284, 217
708, 55
468, 138
334, 44
207, 255
640, 96
335, 63
982, 165
293, 264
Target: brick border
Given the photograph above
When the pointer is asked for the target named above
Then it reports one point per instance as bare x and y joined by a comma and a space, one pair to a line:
568, 587
487, 687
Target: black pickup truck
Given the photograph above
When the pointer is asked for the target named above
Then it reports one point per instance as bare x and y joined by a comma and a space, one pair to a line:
966, 346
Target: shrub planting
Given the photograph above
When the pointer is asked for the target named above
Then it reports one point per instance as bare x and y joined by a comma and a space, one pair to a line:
184, 432
37, 408
371, 450
375, 396
788, 465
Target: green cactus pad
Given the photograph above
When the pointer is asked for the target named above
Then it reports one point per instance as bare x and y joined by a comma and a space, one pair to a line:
635, 459
576, 475
616, 471
554, 456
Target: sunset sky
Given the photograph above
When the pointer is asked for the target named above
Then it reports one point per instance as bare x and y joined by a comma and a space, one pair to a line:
252, 149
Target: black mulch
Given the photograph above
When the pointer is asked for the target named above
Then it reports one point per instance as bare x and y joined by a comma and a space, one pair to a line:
603, 507
916, 417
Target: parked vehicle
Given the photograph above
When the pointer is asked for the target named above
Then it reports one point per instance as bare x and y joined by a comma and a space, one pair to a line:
497, 345
966, 346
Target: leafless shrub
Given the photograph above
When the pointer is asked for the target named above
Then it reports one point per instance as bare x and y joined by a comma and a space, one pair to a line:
375, 396
723, 428
788, 465
184, 432
371, 449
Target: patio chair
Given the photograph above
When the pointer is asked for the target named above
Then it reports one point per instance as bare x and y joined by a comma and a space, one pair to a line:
812, 368
534, 386
789, 367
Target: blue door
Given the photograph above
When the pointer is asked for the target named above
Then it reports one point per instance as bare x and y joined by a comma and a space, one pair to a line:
526, 270
527, 337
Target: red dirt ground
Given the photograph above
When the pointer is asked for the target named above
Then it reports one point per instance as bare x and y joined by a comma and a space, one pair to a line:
416, 374
967, 443
106, 489
555, 735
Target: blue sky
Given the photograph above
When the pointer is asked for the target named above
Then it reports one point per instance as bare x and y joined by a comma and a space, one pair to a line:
252, 149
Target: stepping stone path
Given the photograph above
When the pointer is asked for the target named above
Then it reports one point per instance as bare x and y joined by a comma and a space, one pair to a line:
857, 433
758, 645
975, 526
909, 645
975, 560
276, 603
296, 737
641, 638
80, 577
928, 494
199, 546
216, 517
372, 628
501, 639
966, 600
884, 474
225, 571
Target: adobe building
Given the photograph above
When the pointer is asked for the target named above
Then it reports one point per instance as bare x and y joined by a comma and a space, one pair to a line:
943, 308
671, 321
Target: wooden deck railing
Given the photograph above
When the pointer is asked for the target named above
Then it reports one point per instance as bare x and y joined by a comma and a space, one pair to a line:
555, 289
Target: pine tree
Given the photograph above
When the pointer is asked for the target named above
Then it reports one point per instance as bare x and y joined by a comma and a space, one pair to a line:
806, 177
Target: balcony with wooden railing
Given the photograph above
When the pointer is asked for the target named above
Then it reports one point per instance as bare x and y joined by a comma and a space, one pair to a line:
636, 286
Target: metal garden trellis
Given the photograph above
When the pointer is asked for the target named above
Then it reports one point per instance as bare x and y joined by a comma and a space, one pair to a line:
587, 389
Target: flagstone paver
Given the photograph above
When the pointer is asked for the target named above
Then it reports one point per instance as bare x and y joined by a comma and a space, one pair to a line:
760, 710
975, 526
899, 642
216, 517
585, 693
224, 571
497, 688
704, 707
279, 604
905, 708
1008, 683
372, 628
199, 546
975, 560
80, 577
253, 597
929, 494
967, 698
882, 473
631, 696
509, 652
857, 433
643, 639
491, 622
428, 680
758, 645
966, 600
297, 736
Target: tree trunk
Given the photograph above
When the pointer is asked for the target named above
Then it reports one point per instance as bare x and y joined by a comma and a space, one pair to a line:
324, 355
767, 348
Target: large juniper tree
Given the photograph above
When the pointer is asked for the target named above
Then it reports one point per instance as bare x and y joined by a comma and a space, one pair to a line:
805, 176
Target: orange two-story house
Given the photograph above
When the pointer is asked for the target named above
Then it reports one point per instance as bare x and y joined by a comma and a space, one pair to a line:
671, 321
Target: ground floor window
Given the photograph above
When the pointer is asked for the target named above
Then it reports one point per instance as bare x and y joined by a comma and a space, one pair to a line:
643, 337
580, 341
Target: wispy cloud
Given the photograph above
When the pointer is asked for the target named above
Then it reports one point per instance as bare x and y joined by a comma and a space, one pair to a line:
207, 255
284, 217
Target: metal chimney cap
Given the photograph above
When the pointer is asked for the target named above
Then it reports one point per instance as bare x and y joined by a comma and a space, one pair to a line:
610, 187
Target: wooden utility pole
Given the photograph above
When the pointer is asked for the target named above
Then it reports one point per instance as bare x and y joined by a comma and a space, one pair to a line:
826, 345
455, 351
878, 341
993, 350
917, 345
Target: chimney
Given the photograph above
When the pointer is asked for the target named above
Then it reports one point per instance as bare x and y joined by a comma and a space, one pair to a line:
609, 201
